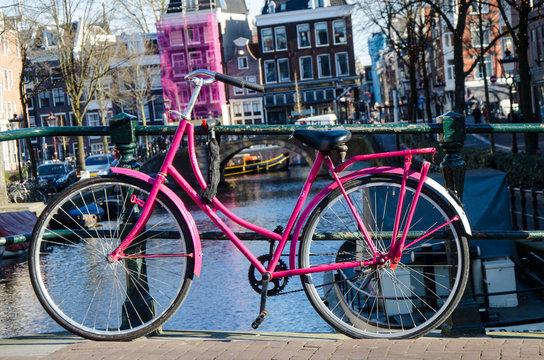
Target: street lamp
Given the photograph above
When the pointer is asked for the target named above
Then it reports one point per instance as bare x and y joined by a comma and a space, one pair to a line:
508, 64
13, 121
52, 121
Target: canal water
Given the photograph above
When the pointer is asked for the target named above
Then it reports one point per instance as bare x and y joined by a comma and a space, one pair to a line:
221, 299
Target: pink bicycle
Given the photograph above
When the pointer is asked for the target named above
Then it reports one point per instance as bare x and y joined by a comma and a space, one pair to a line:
382, 252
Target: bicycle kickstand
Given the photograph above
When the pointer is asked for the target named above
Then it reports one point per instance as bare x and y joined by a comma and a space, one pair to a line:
262, 311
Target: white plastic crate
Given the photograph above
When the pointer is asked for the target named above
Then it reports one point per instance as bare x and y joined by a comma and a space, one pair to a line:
499, 275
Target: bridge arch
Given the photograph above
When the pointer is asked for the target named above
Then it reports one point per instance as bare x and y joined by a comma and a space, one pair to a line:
231, 148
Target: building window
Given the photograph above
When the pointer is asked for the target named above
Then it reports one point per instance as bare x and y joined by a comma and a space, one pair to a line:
155, 81
195, 57
45, 99
251, 79
93, 119
58, 97
283, 69
158, 108
306, 71
281, 38
242, 62
193, 35
340, 32
270, 71
475, 34
6, 80
321, 34
303, 31
450, 69
309, 96
237, 109
178, 64
237, 90
324, 65
479, 71
268, 41
176, 37
342, 66
257, 108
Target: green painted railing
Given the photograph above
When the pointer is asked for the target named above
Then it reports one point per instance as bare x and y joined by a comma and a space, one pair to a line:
454, 134
450, 128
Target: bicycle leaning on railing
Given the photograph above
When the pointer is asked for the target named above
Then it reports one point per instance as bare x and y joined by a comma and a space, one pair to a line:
382, 252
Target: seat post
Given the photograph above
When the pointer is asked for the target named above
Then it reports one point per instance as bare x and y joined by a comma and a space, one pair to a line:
342, 151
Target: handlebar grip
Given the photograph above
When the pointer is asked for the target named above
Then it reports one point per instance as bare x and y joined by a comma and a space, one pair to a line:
239, 83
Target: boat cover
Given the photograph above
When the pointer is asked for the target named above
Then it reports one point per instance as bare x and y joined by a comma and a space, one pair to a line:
15, 223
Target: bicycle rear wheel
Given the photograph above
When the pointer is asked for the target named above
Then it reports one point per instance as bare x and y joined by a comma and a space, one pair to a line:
377, 301
85, 292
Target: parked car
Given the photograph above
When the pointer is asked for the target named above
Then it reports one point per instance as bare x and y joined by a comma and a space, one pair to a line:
57, 175
99, 164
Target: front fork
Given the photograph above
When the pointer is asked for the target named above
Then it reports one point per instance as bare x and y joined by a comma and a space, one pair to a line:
394, 254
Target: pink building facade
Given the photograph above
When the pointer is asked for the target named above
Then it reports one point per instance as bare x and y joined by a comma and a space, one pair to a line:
189, 41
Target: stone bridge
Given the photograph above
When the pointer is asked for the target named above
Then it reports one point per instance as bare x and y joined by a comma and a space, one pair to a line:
231, 148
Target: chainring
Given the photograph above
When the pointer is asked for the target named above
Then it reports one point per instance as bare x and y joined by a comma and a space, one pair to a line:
255, 278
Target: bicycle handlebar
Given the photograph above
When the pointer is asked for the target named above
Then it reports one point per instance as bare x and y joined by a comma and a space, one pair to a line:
239, 83
226, 79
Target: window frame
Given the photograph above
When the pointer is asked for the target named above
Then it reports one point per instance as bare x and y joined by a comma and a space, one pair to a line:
317, 44
180, 37
300, 61
276, 37
337, 63
319, 73
264, 43
241, 66
345, 32
266, 71
288, 78
299, 31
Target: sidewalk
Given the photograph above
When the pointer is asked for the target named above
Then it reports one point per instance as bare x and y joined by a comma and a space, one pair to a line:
257, 345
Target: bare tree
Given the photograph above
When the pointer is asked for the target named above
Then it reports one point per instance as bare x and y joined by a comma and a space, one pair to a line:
135, 75
144, 14
85, 50
406, 25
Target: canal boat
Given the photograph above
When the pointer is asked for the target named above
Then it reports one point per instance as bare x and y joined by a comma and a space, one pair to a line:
252, 164
15, 223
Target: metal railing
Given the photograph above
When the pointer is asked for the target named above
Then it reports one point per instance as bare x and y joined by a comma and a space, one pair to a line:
450, 128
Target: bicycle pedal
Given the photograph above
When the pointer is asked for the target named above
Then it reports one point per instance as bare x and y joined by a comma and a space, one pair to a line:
259, 320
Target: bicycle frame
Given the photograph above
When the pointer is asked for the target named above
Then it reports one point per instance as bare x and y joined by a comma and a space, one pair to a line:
299, 213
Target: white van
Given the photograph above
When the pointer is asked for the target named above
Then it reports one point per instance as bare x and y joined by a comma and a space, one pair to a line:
327, 119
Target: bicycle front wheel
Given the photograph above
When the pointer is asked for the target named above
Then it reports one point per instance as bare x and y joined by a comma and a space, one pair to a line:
377, 301
96, 298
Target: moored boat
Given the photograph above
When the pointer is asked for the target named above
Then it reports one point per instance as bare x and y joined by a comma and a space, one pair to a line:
252, 164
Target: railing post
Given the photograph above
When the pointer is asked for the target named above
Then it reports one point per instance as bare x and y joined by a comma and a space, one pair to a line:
123, 136
136, 308
465, 320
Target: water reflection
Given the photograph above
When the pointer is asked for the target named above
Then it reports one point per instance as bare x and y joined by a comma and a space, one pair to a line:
221, 299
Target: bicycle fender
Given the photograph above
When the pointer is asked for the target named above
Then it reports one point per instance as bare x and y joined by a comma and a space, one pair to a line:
179, 204
365, 172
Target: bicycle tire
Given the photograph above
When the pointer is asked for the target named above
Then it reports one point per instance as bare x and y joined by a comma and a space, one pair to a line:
86, 293
378, 302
